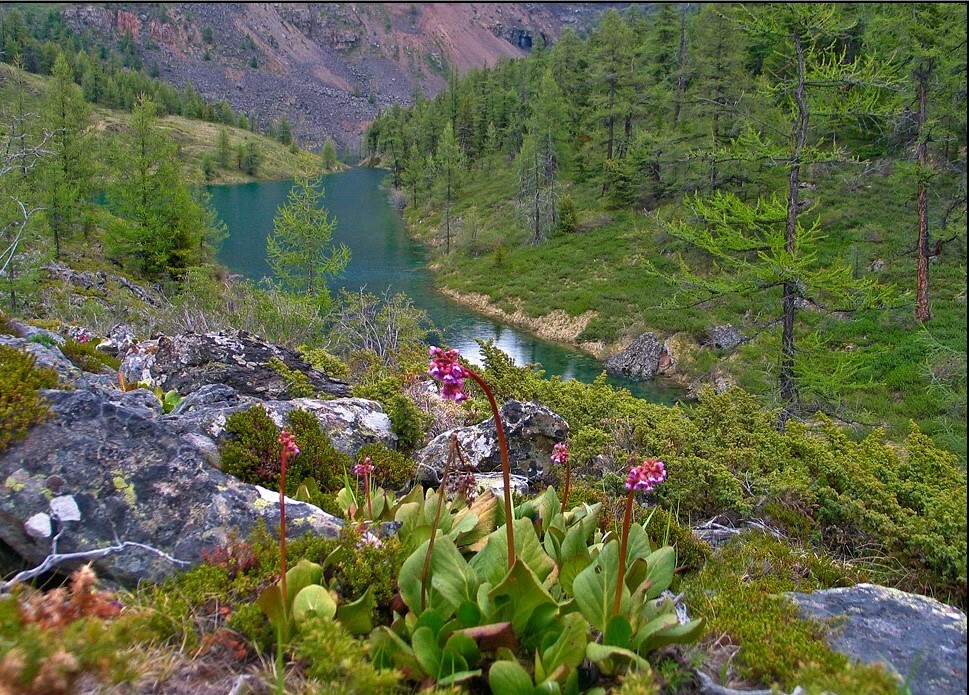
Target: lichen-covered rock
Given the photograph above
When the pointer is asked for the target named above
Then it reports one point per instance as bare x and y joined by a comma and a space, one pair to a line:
133, 478
52, 357
351, 423
724, 337
921, 639
646, 358
531, 430
189, 361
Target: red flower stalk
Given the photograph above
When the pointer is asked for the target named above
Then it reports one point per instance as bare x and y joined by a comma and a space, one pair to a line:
289, 451
445, 368
644, 478
560, 455
365, 469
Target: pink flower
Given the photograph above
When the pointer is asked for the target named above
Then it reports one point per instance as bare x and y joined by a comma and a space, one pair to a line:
289, 444
444, 367
365, 468
646, 476
560, 453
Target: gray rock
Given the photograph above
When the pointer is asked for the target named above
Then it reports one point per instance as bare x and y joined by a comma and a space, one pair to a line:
724, 337
530, 428
350, 423
44, 356
643, 360
189, 361
919, 638
717, 379
25, 330
119, 340
134, 478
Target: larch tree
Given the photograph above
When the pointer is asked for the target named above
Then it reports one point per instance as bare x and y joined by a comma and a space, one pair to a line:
449, 166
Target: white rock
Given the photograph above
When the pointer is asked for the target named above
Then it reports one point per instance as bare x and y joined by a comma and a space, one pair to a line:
38, 526
64, 508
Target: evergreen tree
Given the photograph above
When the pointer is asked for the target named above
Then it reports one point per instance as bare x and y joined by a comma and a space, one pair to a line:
223, 148
68, 171
285, 131
449, 166
328, 154
300, 249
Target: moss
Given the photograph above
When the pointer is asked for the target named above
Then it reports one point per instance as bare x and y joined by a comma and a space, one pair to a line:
297, 383
86, 357
21, 405
338, 663
740, 594
125, 488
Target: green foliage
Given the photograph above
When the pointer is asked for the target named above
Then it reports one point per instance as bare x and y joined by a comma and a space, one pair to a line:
21, 406
323, 361
300, 250
337, 662
87, 357
318, 459
407, 421
297, 383
568, 214
392, 469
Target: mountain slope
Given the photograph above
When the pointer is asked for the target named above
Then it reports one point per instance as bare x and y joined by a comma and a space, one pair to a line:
328, 67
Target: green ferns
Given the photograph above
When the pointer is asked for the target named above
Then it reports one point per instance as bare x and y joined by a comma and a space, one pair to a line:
21, 406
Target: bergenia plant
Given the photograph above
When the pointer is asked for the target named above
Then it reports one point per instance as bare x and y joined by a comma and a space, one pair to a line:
446, 368
289, 451
642, 478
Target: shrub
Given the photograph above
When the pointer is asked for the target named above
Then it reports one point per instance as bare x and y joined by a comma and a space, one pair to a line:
297, 383
21, 406
252, 452
338, 662
86, 357
407, 422
323, 361
318, 459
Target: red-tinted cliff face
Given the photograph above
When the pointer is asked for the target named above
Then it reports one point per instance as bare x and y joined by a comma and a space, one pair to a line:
329, 67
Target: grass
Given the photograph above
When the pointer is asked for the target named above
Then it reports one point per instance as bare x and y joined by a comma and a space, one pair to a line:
901, 371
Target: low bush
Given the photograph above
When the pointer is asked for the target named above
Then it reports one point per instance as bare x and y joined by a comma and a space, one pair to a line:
86, 357
21, 406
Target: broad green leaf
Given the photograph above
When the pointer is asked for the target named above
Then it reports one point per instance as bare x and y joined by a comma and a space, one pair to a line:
469, 614
485, 508
458, 677
570, 569
426, 650
609, 658
618, 632
509, 678
387, 650
679, 634
553, 543
313, 600
594, 588
577, 538
356, 615
525, 593
451, 580
637, 545
568, 649
491, 563
465, 646
661, 566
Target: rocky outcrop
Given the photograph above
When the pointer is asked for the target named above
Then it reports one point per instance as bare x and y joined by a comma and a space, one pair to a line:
531, 430
725, 337
46, 356
920, 639
190, 361
135, 478
351, 423
645, 359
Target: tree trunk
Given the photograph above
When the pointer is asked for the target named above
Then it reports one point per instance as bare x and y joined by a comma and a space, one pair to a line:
923, 312
788, 382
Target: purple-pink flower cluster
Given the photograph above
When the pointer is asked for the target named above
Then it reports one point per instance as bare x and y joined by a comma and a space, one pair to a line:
365, 468
288, 441
646, 476
444, 367
560, 453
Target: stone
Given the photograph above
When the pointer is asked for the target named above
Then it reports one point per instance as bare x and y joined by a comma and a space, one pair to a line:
922, 640
188, 361
724, 337
644, 359
717, 379
64, 508
38, 526
133, 477
119, 340
530, 428
51, 357
351, 423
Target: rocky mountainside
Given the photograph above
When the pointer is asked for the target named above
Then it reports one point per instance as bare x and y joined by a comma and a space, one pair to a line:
327, 67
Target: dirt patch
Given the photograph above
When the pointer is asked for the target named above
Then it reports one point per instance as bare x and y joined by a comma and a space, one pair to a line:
557, 326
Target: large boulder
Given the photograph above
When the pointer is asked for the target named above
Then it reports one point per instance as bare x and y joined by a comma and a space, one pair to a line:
920, 639
133, 477
531, 430
46, 356
725, 337
238, 359
644, 359
351, 423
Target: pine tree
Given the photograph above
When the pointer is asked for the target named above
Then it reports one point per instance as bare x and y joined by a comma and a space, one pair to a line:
68, 171
223, 148
449, 166
300, 249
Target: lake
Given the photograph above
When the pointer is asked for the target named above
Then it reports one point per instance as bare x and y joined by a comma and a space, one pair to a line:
385, 259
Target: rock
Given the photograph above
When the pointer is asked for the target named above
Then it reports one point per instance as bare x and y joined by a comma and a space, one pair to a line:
531, 430
132, 477
119, 340
644, 359
717, 379
724, 337
67, 373
351, 423
189, 361
25, 330
919, 638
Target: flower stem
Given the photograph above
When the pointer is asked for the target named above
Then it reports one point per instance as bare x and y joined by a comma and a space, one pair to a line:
366, 482
505, 465
281, 633
621, 576
568, 485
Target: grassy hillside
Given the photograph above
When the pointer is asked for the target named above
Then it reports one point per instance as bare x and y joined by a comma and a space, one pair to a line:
196, 139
